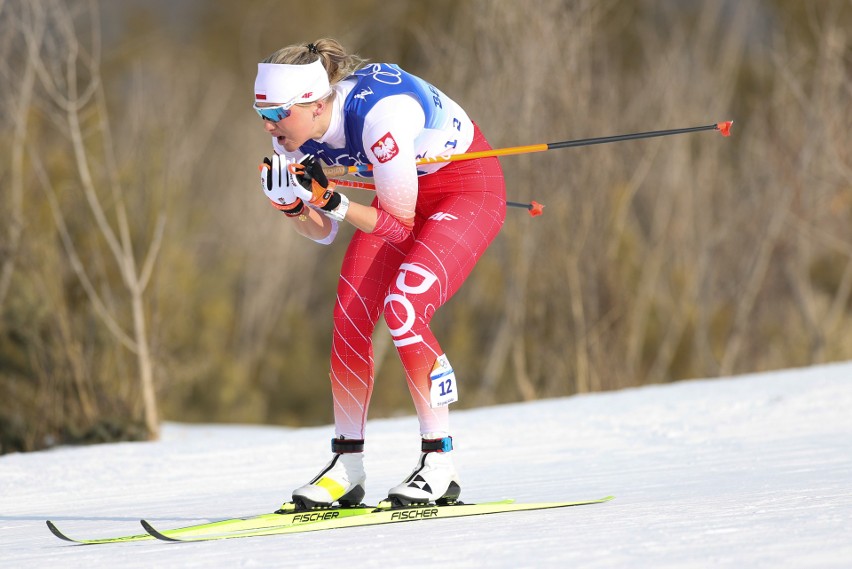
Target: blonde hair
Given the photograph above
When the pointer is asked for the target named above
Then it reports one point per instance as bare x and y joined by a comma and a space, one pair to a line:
338, 64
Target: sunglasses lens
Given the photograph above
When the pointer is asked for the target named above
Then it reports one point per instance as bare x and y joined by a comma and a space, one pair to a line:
273, 114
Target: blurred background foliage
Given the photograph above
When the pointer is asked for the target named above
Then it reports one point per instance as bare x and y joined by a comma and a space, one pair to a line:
140, 266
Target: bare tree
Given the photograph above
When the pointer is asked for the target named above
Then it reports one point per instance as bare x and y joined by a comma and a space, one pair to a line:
15, 108
69, 73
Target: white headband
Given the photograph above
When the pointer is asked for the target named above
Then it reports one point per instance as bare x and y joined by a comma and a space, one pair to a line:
290, 84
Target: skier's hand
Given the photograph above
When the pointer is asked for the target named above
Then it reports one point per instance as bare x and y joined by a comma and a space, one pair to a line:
314, 186
278, 184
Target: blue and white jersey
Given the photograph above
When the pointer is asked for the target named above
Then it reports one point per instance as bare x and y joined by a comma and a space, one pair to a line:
445, 129
389, 118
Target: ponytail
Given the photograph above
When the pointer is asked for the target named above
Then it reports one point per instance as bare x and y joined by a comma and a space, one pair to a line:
338, 64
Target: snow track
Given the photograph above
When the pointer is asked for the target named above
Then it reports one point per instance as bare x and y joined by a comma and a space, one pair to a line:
752, 471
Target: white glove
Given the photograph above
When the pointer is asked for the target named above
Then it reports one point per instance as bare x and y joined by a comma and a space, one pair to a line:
277, 182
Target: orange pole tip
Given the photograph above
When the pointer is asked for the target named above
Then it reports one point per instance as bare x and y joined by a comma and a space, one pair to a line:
536, 208
725, 127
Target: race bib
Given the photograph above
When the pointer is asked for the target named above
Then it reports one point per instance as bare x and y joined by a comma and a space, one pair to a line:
444, 389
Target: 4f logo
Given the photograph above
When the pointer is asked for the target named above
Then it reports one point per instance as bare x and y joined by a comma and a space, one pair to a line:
442, 216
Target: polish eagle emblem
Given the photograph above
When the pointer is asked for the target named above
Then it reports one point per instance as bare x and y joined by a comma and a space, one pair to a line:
385, 148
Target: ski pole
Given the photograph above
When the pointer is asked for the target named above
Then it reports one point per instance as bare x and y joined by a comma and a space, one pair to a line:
723, 127
533, 207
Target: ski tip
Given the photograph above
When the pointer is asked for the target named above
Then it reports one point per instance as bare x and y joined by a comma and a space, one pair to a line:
154, 532
55, 531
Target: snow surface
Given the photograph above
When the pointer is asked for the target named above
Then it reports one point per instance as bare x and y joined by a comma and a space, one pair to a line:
753, 471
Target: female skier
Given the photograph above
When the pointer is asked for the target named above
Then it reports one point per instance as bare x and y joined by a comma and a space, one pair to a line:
413, 248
